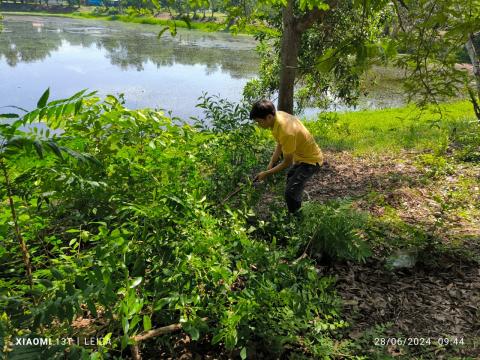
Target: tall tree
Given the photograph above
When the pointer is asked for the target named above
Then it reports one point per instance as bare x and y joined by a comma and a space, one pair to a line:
318, 49
475, 59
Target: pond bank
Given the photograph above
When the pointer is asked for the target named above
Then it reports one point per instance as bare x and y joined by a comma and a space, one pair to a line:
162, 19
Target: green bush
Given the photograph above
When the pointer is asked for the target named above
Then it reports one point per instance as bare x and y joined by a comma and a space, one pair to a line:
235, 151
335, 230
122, 231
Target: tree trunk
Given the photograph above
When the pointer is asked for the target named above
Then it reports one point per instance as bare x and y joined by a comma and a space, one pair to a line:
476, 71
293, 28
289, 59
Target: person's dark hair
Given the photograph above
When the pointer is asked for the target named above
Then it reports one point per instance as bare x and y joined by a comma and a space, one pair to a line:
261, 109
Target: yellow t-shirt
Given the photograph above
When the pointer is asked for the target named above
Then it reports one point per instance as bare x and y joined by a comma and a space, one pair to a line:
294, 137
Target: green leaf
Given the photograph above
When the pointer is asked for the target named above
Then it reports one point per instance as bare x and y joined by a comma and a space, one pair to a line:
38, 148
160, 33
15, 107
217, 338
9, 116
159, 304
326, 61
147, 323
243, 353
56, 274
91, 306
45, 282
135, 320
136, 282
78, 106
106, 339
194, 333
173, 29
55, 149
96, 355
80, 94
43, 99
80, 283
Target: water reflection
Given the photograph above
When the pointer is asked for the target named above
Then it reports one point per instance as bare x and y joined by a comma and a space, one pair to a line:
68, 55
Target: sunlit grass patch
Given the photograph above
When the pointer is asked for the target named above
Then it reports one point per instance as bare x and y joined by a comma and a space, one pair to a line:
391, 130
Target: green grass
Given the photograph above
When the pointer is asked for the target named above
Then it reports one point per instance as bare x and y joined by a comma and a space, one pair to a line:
208, 26
127, 18
391, 130
148, 20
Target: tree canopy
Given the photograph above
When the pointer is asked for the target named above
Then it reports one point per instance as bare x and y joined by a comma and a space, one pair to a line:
314, 52
431, 35
320, 49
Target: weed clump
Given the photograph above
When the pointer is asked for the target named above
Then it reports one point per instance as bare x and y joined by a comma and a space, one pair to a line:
335, 231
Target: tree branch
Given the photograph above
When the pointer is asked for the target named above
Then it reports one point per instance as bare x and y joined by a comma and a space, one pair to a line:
399, 16
403, 4
307, 20
159, 331
18, 233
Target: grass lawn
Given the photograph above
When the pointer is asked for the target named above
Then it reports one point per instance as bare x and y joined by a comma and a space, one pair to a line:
392, 129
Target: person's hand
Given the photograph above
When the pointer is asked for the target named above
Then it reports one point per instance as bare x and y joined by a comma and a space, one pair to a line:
261, 176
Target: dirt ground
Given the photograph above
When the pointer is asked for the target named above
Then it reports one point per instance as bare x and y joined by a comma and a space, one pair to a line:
429, 301
440, 296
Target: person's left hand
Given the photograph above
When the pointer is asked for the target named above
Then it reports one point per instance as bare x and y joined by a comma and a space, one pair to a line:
261, 176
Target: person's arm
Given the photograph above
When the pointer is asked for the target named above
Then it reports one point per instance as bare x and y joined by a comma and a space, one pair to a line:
287, 161
288, 146
275, 156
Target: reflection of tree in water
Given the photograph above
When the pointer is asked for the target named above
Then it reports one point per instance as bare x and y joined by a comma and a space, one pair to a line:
23, 42
127, 48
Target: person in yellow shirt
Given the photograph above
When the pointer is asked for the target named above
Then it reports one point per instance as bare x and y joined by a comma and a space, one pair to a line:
296, 144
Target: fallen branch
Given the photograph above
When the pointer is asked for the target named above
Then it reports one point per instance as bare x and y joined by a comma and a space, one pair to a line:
157, 332
305, 252
160, 331
135, 349
236, 191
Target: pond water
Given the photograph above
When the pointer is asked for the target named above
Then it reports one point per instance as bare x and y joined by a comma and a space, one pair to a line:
170, 73
68, 55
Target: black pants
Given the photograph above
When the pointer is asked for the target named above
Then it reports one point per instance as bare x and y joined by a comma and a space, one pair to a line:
297, 176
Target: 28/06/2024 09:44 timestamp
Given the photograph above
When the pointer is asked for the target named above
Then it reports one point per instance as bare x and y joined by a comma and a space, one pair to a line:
418, 341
